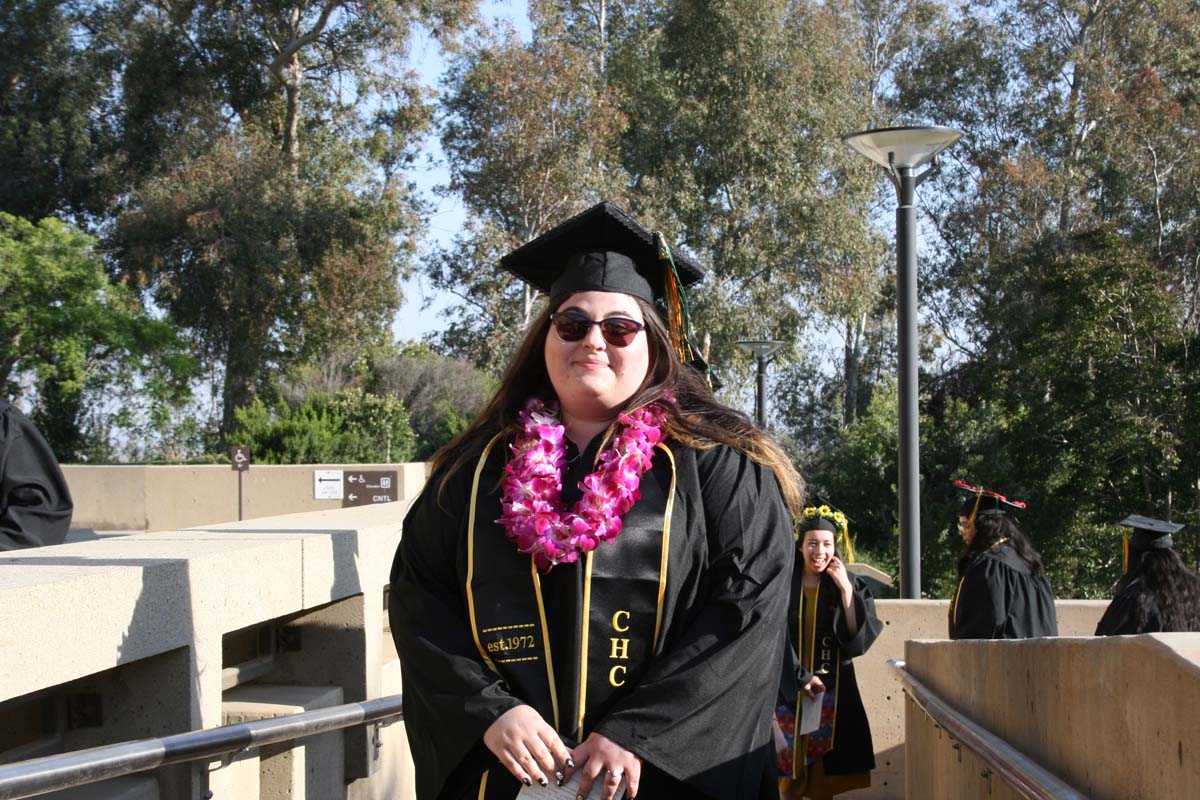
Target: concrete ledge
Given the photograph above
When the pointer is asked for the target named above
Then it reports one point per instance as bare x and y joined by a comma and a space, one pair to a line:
1113, 717
139, 622
156, 498
881, 690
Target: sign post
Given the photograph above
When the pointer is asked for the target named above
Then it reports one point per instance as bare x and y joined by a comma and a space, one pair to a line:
239, 462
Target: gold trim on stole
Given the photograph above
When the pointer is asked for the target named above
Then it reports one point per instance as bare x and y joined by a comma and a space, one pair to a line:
471, 553
537, 589
666, 544
583, 645
483, 784
954, 605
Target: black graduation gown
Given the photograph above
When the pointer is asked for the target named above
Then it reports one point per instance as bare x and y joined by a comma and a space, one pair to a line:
999, 598
692, 699
1120, 618
853, 750
35, 504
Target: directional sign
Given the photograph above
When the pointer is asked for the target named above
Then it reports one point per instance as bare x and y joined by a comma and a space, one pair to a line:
239, 458
367, 487
327, 484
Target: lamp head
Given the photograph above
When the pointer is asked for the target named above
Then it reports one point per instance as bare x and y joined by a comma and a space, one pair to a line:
910, 146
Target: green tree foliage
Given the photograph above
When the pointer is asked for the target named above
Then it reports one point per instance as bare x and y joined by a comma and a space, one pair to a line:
56, 131
275, 224
82, 341
350, 427
443, 395
265, 268
530, 132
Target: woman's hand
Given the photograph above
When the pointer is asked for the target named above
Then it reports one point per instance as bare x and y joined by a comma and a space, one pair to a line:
602, 760
841, 578
527, 747
814, 686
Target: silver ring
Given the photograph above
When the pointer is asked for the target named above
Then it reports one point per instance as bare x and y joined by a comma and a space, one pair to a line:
616, 773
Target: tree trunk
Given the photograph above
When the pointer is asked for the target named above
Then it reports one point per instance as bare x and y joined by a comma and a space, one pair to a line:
241, 369
852, 361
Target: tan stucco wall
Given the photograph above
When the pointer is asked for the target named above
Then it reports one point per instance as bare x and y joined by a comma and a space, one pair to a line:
160, 498
880, 686
1114, 717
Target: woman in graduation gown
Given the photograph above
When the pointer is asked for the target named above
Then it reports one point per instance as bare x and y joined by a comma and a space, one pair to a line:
595, 577
1002, 590
1157, 592
831, 620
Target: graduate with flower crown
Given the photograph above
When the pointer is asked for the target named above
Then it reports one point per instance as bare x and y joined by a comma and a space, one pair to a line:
831, 620
594, 579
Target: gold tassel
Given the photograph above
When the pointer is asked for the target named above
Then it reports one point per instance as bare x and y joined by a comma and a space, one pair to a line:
1124, 551
675, 312
849, 545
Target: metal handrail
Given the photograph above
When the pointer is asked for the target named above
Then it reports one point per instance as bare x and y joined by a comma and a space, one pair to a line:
1023, 774
51, 773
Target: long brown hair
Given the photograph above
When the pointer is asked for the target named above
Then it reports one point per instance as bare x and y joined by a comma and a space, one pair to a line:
694, 418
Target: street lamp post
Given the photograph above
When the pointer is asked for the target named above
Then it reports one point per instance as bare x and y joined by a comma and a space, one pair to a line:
901, 151
762, 350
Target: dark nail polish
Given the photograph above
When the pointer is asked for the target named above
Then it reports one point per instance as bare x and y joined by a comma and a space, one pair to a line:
571, 764
558, 776
527, 782
543, 782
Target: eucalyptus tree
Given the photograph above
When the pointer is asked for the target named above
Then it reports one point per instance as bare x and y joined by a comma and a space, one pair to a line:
529, 131
274, 220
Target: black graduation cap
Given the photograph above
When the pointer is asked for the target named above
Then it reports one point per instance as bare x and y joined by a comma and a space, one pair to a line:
1151, 533
823, 517
605, 249
1148, 534
983, 501
601, 249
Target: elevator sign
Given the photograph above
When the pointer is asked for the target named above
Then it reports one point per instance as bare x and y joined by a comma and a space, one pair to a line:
368, 487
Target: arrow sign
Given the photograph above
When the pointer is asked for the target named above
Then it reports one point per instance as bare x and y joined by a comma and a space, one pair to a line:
370, 487
327, 484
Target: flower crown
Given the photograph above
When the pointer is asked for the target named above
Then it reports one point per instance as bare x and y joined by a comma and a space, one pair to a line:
838, 519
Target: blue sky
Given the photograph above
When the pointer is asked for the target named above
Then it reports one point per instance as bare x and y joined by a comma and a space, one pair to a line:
413, 322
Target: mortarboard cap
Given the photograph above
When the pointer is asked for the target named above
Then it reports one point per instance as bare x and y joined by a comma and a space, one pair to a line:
1151, 533
602, 249
1148, 534
984, 501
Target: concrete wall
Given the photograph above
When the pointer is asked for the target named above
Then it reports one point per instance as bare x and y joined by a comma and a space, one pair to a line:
129, 632
161, 498
882, 695
1112, 717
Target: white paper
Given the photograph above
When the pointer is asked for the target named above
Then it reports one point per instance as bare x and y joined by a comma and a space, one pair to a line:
810, 712
568, 791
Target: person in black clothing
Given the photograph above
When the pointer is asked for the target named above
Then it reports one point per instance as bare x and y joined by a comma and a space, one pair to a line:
831, 620
1157, 592
1002, 591
594, 581
35, 504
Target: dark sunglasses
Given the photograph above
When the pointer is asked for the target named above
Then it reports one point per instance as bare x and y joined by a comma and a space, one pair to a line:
571, 326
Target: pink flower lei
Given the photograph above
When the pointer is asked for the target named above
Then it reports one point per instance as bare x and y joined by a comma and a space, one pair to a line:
534, 516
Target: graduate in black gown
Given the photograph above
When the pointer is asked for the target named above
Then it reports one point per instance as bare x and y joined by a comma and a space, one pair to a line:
1002, 591
1157, 592
596, 576
831, 620
35, 504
